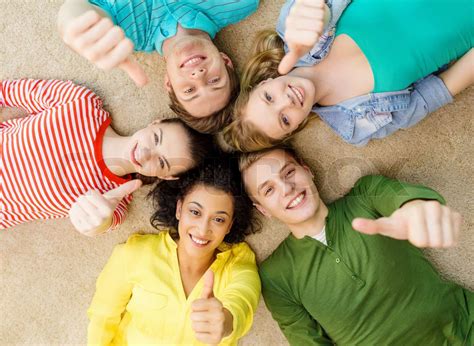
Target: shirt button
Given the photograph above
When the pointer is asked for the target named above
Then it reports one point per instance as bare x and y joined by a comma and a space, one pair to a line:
338, 260
165, 32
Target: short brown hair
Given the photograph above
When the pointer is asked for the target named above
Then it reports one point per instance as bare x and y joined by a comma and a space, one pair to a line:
248, 159
215, 121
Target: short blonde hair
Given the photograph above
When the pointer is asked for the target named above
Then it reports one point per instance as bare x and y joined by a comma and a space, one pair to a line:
214, 122
240, 134
248, 159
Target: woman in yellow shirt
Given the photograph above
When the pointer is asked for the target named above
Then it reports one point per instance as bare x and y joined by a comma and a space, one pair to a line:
196, 282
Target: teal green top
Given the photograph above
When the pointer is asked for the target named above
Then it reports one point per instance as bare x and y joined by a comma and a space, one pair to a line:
361, 289
405, 41
149, 23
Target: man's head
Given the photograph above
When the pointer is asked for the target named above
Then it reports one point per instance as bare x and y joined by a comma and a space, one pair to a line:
280, 185
200, 80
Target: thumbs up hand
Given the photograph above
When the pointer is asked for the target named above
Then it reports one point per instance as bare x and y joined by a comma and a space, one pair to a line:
104, 44
92, 213
210, 320
304, 26
422, 223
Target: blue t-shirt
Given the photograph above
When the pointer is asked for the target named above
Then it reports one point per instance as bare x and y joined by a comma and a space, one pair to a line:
148, 23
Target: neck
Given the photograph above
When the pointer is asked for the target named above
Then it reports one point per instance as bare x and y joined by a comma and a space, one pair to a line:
193, 264
115, 152
181, 33
311, 226
316, 76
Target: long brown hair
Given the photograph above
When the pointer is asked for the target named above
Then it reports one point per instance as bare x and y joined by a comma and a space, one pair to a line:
266, 54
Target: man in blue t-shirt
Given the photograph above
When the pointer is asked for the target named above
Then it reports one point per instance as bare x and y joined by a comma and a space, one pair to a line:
200, 79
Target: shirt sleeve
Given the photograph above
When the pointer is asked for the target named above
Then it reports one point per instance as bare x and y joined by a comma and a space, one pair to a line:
384, 195
112, 294
242, 294
36, 96
295, 322
120, 212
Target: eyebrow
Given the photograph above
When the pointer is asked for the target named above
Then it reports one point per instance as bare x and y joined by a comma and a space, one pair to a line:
262, 185
217, 212
161, 135
166, 163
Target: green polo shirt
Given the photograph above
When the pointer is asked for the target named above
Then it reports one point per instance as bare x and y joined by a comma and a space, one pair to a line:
363, 289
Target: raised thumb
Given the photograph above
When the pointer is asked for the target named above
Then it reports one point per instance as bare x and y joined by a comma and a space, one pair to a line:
384, 226
123, 190
288, 62
135, 72
208, 288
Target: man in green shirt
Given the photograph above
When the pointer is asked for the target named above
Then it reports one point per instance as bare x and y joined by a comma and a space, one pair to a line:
327, 283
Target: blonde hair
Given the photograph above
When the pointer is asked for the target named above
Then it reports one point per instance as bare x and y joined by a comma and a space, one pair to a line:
241, 135
248, 159
215, 121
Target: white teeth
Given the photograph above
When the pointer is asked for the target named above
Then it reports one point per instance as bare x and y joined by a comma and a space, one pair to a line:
199, 241
192, 61
296, 201
298, 94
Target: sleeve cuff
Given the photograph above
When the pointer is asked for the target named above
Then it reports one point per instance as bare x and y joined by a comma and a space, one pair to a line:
434, 92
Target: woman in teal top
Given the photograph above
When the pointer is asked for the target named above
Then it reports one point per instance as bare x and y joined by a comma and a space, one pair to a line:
401, 54
365, 67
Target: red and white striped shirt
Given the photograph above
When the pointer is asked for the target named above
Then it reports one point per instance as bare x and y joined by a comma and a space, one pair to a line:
54, 155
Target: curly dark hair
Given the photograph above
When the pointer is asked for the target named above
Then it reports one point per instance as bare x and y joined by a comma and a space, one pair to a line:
220, 173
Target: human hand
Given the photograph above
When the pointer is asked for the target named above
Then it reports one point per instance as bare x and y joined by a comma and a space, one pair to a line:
210, 320
422, 223
92, 213
105, 45
304, 26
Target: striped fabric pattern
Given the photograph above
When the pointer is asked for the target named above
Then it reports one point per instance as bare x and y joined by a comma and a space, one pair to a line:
149, 23
47, 158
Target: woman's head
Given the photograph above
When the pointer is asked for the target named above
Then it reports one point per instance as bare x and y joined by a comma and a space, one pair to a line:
270, 107
167, 148
206, 206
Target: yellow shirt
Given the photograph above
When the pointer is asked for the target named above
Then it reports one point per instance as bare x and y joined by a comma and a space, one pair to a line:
140, 298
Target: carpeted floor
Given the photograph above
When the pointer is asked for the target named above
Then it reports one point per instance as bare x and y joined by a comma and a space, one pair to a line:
48, 271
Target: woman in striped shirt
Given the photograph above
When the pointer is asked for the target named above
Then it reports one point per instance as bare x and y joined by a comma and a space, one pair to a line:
64, 158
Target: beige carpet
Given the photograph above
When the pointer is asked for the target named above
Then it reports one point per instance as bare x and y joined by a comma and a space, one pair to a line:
48, 271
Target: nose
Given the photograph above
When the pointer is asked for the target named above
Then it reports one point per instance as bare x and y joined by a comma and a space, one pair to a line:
287, 187
198, 73
203, 227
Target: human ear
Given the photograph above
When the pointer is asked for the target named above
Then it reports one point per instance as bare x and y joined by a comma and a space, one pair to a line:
227, 60
179, 205
167, 83
262, 210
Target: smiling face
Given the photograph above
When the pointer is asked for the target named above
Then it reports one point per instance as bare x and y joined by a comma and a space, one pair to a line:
160, 150
205, 217
278, 106
282, 188
196, 72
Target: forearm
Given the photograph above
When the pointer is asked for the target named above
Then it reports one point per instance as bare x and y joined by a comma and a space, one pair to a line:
460, 75
74, 8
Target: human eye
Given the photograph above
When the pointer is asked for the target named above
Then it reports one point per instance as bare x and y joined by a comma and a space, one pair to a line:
267, 97
219, 219
195, 212
285, 120
162, 163
188, 90
157, 139
214, 80
290, 172
268, 191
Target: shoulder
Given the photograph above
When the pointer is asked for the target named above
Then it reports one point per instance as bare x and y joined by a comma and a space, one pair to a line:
140, 243
278, 262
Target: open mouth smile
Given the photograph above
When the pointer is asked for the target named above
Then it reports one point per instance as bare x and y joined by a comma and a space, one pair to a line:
297, 201
298, 92
133, 155
198, 241
192, 61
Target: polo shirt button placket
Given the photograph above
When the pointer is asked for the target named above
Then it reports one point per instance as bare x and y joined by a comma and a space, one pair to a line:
338, 260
